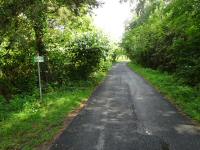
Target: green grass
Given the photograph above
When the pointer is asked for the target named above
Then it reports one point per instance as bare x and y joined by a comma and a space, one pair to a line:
183, 96
26, 122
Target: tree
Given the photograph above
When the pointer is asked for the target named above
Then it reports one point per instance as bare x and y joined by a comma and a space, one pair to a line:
22, 29
34, 13
165, 37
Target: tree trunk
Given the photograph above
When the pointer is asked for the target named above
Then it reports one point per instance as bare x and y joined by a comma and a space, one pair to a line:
40, 49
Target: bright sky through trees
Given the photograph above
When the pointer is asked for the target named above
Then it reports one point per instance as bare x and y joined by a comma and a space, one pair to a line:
111, 18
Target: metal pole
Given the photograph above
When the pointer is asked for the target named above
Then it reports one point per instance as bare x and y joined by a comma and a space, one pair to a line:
39, 77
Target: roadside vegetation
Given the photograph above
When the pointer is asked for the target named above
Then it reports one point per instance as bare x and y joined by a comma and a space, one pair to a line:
76, 58
27, 122
165, 35
163, 41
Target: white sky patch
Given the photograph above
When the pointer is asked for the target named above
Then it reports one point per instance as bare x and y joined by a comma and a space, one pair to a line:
111, 18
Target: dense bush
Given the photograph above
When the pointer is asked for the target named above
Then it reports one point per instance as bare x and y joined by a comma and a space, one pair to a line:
17, 72
86, 53
74, 59
166, 36
55, 36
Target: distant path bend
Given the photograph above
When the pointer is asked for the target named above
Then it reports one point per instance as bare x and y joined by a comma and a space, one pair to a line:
126, 113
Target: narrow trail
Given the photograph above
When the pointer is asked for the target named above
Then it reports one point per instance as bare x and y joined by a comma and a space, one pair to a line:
125, 113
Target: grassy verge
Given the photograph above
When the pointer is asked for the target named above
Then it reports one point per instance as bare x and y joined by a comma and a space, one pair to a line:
184, 97
26, 123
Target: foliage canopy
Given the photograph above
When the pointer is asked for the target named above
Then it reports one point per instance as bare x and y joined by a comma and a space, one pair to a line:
51, 29
166, 36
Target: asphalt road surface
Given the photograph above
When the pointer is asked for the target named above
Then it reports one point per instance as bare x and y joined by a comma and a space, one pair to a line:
126, 113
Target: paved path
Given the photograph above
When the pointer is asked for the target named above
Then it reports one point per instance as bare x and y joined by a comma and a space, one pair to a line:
125, 113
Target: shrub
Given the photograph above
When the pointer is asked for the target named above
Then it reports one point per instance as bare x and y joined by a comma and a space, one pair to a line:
86, 53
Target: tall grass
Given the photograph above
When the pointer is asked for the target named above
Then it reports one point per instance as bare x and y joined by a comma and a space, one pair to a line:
27, 122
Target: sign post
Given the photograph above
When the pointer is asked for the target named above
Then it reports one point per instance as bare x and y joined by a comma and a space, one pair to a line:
39, 59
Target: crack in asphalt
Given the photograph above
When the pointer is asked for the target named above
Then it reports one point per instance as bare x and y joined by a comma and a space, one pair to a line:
126, 113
